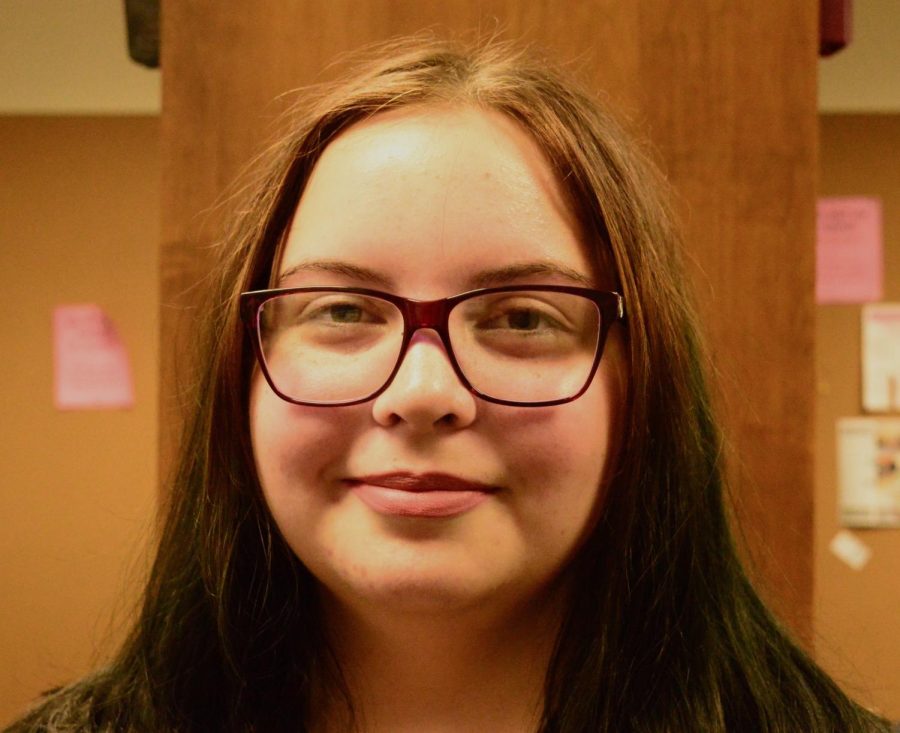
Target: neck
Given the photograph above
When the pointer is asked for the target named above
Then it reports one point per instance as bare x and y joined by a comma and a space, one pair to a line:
440, 672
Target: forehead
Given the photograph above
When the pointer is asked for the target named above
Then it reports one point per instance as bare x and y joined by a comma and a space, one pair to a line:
434, 192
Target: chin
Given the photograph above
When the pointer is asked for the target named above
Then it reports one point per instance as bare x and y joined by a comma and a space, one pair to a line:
415, 590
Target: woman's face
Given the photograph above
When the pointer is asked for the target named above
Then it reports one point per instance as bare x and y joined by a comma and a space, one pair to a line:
427, 203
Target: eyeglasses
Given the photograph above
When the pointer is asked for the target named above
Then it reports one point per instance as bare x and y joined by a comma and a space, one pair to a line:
534, 346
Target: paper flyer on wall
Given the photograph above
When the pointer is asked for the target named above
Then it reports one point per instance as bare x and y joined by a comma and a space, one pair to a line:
868, 453
849, 249
91, 369
881, 357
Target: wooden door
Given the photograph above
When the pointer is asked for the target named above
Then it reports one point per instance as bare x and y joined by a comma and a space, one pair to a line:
726, 92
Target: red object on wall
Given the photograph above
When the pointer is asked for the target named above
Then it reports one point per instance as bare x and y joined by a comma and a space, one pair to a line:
835, 25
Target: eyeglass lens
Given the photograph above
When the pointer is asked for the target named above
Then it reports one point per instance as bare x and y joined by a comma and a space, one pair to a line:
522, 346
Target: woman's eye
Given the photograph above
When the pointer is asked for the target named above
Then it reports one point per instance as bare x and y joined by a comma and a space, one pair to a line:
340, 313
521, 319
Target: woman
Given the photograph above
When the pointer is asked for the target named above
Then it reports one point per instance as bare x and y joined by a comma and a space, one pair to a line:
457, 470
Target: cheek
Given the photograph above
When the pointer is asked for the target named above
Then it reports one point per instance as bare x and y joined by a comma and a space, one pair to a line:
295, 448
567, 454
560, 455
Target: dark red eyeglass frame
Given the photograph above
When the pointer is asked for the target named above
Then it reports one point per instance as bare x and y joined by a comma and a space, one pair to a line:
433, 314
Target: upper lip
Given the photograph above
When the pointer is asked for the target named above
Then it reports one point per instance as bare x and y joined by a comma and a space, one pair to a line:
431, 481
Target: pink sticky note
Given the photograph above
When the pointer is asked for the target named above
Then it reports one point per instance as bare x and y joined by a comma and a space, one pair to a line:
849, 250
90, 365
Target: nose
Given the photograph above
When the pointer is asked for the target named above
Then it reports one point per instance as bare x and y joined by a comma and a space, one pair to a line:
425, 393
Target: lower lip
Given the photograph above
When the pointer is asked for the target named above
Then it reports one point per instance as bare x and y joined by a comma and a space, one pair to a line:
400, 503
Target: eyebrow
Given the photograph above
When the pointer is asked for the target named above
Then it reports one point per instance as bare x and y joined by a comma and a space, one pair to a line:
511, 273
491, 277
337, 267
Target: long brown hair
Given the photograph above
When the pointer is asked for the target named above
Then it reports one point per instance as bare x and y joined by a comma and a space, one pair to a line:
664, 633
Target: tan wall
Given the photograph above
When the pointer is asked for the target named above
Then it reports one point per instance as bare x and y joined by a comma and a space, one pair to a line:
863, 77
71, 58
79, 217
857, 614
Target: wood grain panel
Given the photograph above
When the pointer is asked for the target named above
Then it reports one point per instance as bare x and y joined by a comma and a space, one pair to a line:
726, 90
729, 93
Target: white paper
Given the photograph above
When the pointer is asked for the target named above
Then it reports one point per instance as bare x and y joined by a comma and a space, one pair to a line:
881, 357
851, 550
868, 452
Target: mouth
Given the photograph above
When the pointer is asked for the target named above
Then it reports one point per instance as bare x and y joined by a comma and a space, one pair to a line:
403, 494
